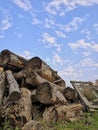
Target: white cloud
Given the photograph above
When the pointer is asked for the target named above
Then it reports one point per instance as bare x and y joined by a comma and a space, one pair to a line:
82, 44
87, 62
26, 54
23, 4
57, 59
71, 71
5, 24
54, 6
87, 32
50, 41
96, 27
74, 24
35, 21
60, 34
49, 23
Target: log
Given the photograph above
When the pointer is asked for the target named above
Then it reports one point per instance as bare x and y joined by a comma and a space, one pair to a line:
35, 79
48, 94
71, 95
25, 106
33, 125
68, 111
45, 71
50, 115
2, 84
11, 61
14, 92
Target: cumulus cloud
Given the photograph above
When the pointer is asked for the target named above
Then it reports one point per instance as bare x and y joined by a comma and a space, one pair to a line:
87, 32
49, 23
88, 62
57, 59
96, 27
82, 44
23, 4
71, 71
60, 34
74, 24
54, 6
26, 54
5, 23
50, 41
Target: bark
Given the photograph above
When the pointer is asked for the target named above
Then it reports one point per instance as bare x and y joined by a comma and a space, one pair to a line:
35, 79
11, 61
2, 84
50, 115
14, 92
44, 70
33, 125
48, 94
69, 111
25, 105
70, 94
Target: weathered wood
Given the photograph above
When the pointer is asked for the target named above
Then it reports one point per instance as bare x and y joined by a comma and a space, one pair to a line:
88, 104
69, 111
50, 115
45, 71
11, 61
14, 92
2, 84
35, 79
25, 105
48, 94
33, 125
71, 95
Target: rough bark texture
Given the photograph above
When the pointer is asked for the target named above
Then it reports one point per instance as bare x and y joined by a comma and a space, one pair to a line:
45, 71
2, 84
11, 61
14, 92
33, 125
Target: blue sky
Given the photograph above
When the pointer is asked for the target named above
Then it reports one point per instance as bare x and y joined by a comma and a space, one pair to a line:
64, 33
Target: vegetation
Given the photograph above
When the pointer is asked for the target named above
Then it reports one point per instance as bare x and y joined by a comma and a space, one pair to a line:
90, 122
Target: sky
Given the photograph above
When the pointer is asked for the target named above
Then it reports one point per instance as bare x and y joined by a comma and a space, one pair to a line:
63, 33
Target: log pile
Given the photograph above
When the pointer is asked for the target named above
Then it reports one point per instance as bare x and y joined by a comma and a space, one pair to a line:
32, 92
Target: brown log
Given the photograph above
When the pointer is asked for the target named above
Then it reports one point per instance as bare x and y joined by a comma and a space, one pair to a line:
50, 115
45, 71
48, 94
35, 79
2, 84
25, 105
11, 61
33, 125
68, 111
71, 95
19, 112
14, 92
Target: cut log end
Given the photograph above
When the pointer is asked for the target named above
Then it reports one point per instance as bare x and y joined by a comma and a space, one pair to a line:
43, 93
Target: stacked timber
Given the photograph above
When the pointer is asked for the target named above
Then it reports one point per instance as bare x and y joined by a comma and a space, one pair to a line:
30, 89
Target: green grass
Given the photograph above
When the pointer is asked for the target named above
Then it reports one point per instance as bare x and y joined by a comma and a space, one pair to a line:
89, 122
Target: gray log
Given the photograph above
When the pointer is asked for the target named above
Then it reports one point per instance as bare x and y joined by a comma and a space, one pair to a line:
14, 92
2, 84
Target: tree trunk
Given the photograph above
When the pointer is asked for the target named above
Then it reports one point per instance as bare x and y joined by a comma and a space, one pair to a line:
11, 61
48, 94
71, 95
69, 111
14, 92
50, 115
25, 105
44, 70
35, 79
2, 84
